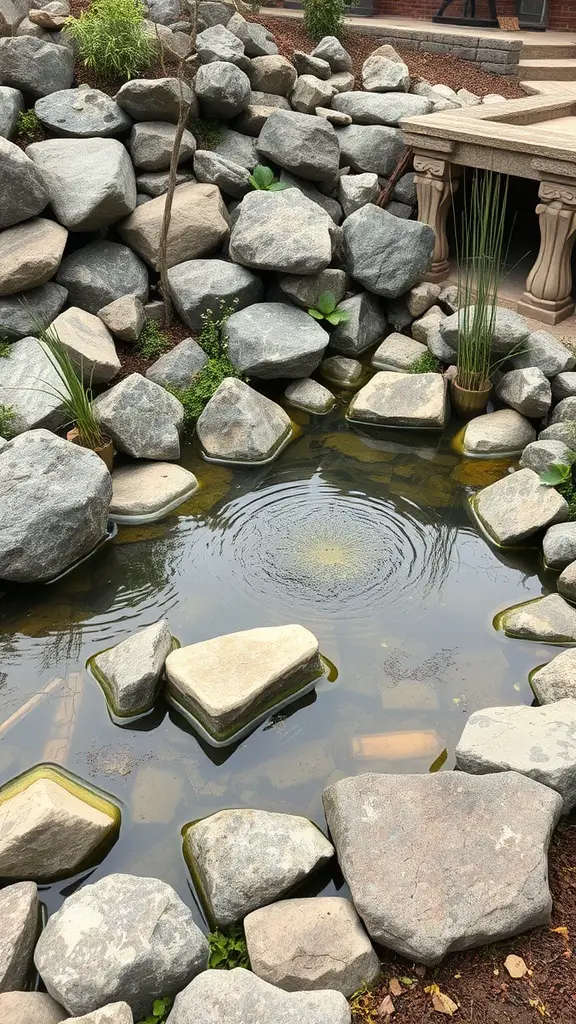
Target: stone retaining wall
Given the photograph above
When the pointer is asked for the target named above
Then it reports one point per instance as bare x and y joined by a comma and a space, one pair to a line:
497, 56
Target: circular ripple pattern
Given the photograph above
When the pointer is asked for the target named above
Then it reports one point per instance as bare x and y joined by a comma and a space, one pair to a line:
310, 544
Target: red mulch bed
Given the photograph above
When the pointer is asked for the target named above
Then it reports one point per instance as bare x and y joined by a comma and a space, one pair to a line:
477, 980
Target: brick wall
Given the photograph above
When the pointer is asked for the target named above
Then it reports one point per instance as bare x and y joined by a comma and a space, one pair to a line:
562, 13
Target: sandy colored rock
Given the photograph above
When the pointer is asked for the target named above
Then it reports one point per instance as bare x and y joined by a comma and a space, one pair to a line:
311, 396
130, 672
30, 254
31, 1008
124, 317
397, 352
89, 344
547, 619
556, 680
144, 488
20, 925
517, 506
497, 433
401, 399
113, 1013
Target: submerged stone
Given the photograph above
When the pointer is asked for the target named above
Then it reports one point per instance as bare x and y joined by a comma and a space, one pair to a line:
517, 506
147, 491
130, 672
228, 683
341, 371
556, 680
244, 859
311, 396
401, 399
550, 620
240, 425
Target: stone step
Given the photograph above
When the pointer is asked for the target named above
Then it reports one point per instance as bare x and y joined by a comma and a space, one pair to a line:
548, 88
547, 51
559, 70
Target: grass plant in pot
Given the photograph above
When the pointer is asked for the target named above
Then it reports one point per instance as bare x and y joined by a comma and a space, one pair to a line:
76, 399
481, 262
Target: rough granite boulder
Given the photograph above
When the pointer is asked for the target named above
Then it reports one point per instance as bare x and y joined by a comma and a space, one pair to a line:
216, 43
113, 1013
543, 350
385, 254
401, 399
124, 317
11, 105
130, 672
54, 499
355, 190
565, 410
564, 385
177, 366
222, 89
152, 143
311, 396
537, 742
155, 99
20, 924
510, 336
366, 324
19, 318
331, 50
567, 583
376, 108
556, 680
311, 944
329, 205
504, 432
35, 66
31, 1008
397, 352
240, 425
142, 418
304, 144
212, 169
463, 901
273, 339
272, 74
201, 285
30, 254
381, 74
342, 371
138, 931
101, 272
528, 391
82, 113
89, 344
90, 182
245, 859
22, 186
305, 291
559, 545
518, 505
539, 455
306, 64
282, 231
258, 41
310, 92
548, 620
29, 385
375, 148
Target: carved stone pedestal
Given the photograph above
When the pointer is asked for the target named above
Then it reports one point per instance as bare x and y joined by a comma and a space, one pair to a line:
548, 295
436, 181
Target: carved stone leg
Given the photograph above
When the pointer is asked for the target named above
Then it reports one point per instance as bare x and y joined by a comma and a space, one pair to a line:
436, 181
548, 295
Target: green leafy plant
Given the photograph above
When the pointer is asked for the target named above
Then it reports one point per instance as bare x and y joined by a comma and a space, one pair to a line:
324, 18
28, 124
7, 418
5, 348
160, 1010
111, 38
327, 309
228, 949
262, 178
75, 397
558, 473
207, 131
426, 363
152, 341
212, 334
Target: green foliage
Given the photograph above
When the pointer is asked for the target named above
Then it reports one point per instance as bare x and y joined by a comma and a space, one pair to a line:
327, 309
76, 399
212, 334
7, 417
152, 341
426, 363
207, 132
228, 949
160, 1010
5, 348
262, 178
324, 18
111, 38
200, 390
568, 492
558, 473
28, 124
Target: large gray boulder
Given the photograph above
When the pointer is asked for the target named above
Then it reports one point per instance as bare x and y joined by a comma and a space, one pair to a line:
305, 291
565, 410
138, 931
304, 144
385, 254
129, 672
258, 41
238, 995
375, 108
366, 324
240, 425
463, 901
401, 399
282, 231
331, 206
510, 330
30, 254
22, 186
214, 12
375, 149
503, 432
90, 182
82, 114
564, 431
216, 43
31, 1008
237, 147
556, 680
155, 99
152, 143
537, 742
101, 272
306, 64
539, 455
177, 366
331, 50
517, 506
54, 499
355, 190
19, 908
142, 418
311, 944
247, 858
545, 351
273, 339
164, 12
36, 66
383, 74
21, 315
212, 169
564, 385
89, 344
548, 620
30, 386
201, 285
11, 104
309, 93
222, 89
272, 74
559, 545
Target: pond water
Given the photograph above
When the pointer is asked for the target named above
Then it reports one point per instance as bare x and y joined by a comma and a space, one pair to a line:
366, 540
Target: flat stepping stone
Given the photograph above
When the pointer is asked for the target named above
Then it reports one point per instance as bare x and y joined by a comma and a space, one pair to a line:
243, 859
148, 491
398, 352
225, 686
311, 396
423, 828
556, 680
130, 672
537, 742
500, 433
401, 400
309, 944
551, 620
517, 506
238, 995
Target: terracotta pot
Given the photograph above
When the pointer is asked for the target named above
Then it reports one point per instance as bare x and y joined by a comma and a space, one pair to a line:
105, 452
468, 404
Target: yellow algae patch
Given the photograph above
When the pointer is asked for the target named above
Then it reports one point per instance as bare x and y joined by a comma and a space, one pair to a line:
357, 448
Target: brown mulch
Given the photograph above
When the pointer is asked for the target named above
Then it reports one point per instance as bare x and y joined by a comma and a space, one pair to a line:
133, 362
477, 980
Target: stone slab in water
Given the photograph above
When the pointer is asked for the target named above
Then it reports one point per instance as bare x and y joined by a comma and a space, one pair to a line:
556, 680
19, 910
49, 832
311, 396
240, 425
130, 672
238, 995
401, 399
149, 490
537, 742
244, 859
228, 682
423, 827
547, 619
31, 1008
517, 506
503, 432
311, 944
137, 930
342, 371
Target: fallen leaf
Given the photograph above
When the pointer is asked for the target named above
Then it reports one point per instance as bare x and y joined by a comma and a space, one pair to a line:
386, 1008
395, 987
407, 981
443, 1004
515, 966
562, 930
432, 989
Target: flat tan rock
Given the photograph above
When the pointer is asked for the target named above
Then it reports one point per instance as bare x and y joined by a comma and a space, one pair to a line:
401, 399
89, 343
30, 254
124, 317
150, 488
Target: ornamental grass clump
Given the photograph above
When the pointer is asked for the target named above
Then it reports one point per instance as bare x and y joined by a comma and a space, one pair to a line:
111, 38
74, 396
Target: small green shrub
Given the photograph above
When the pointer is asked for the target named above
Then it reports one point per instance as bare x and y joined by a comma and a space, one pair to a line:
152, 341
211, 336
160, 1010
206, 131
199, 392
327, 309
228, 949
255, 6
111, 38
5, 348
426, 363
324, 18
7, 417
262, 178
28, 124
